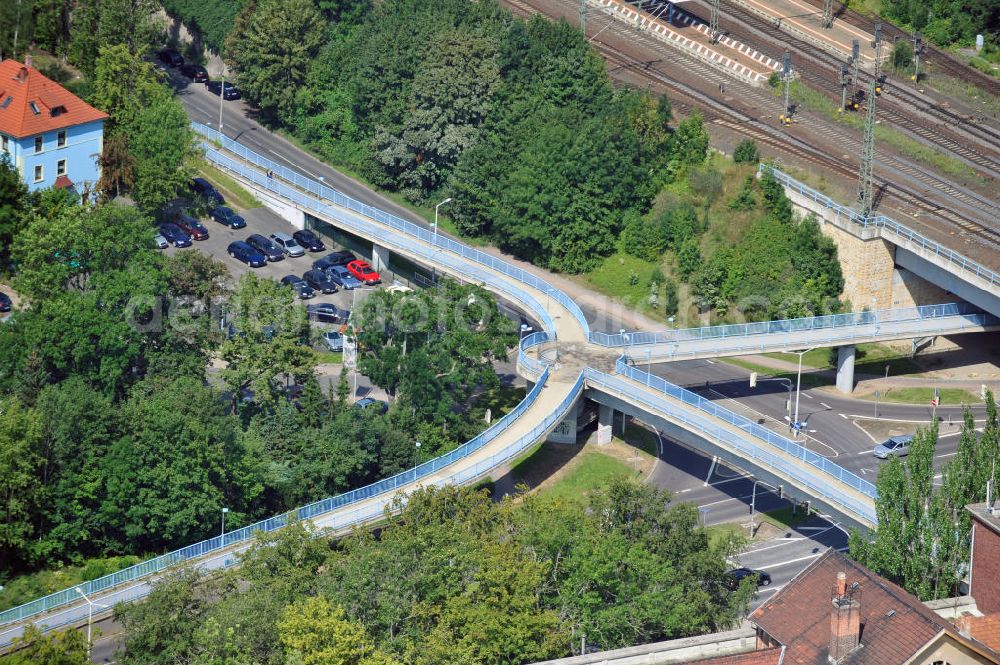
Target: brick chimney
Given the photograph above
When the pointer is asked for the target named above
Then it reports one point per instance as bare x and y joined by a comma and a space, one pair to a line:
27, 61
845, 620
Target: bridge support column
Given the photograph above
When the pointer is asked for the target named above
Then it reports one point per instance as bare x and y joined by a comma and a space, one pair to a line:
605, 424
380, 258
845, 369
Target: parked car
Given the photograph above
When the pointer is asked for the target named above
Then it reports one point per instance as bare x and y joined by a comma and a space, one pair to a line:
6, 304
370, 402
192, 227
737, 575
334, 259
302, 289
343, 277
161, 242
309, 240
207, 189
224, 215
174, 235
334, 340
288, 243
195, 72
327, 313
319, 281
363, 272
247, 253
229, 92
265, 246
898, 446
169, 56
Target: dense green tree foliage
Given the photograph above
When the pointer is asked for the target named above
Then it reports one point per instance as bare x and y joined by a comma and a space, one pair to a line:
946, 22
453, 578
99, 24
211, 20
923, 537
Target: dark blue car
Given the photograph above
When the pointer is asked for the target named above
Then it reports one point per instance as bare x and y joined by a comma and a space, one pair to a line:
309, 240
246, 253
206, 189
224, 215
175, 235
266, 247
5, 303
228, 92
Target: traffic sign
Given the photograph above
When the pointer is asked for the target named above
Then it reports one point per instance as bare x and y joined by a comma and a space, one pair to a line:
936, 399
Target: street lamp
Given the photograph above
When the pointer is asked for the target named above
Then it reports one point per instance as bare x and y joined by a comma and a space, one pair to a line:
90, 617
524, 329
416, 452
798, 392
222, 96
223, 534
447, 200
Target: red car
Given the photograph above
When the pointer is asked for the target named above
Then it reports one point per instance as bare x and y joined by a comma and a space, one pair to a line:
363, 272
192, 227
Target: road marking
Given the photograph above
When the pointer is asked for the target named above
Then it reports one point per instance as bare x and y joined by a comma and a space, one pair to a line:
945, 455
282, 157
782, 542
711, 469
714, 503
684, 490
709, 361
727, 480
770, 589
790, 561
808, 395
827, 406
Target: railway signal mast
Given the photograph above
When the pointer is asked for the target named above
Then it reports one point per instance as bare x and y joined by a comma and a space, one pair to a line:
844, 81
917, 46
867, 155
877, 45
786, 76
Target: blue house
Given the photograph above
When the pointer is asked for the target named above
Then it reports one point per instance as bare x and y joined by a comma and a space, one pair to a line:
52, 136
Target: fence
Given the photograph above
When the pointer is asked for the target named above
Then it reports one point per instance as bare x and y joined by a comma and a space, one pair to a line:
882, 318
302, 182
882, 222
696, 420
528, 363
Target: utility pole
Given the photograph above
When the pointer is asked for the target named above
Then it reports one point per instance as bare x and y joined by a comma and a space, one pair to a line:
714, 25
867, 155
786, 76
827, 13
843, 88
583, 17
916, 57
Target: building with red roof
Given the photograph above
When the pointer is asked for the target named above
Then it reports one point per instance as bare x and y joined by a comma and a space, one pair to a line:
52, 136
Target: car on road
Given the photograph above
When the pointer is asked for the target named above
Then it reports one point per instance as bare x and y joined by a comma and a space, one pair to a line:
302, 289
196, 73
247, 253
325, 312
737, 575
363, 272
371, 402
894, 446
266, 247
334, 259
319, 281
229, 91
161, 242
334, 340
289, 244
309, 240
192, 227
169, 56
227, 216
206, 189
6, 304
343, 277
174, 235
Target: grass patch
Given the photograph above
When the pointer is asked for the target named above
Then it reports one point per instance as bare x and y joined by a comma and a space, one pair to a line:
966, 93
641, 438
236, 195
627, 279
719, 534
918, 395
869, 359
589, 470
783, 517
808, 380
25, 588
500, 401
814, 359
329, 357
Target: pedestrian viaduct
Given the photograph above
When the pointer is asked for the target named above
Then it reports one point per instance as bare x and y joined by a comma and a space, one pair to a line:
565, 363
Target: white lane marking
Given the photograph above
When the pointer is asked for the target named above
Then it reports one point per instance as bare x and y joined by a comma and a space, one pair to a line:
782, 542
827, 406
727, 480
684, 490
709, 361
808, 395
790, 561
770, 589
297, 166
945, 455
842, 416
714, 503
711, 469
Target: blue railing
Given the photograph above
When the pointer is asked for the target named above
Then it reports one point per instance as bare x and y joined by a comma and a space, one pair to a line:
527, 362
441, 241
829, 322
698, 419
887, 223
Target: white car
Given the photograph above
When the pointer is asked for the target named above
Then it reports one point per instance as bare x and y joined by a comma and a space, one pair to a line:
288, 244
161, 242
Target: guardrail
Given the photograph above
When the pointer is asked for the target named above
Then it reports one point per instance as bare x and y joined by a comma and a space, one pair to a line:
283, 172
527, 362
812, 323
881, 222
697, 419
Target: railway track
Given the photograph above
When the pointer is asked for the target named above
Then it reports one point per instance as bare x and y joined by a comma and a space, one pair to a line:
975, 144
624, 66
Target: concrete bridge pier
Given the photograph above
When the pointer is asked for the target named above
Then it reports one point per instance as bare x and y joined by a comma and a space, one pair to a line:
845, 368
606, 423
380, 258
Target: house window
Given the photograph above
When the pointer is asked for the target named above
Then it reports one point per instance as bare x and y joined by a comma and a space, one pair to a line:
6, 144
61, 140
39, 173
34, 108
61, 167
39, 143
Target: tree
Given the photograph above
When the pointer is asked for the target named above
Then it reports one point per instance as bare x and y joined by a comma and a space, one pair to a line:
902, 55
670, 300
67, 647
271, 47
746, 152
690, 142
101, 23
158, 630
14, 212
314, 632
20, 435
161, 142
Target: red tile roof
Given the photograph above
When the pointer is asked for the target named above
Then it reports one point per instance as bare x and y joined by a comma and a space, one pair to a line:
57, 107
983, 629
894, 624
770, 656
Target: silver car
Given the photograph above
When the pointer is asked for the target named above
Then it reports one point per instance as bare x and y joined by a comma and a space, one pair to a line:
333, 340
161, 242
288, 244
898, 446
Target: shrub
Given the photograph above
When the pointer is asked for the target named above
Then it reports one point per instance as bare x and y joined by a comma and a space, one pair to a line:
746, 152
